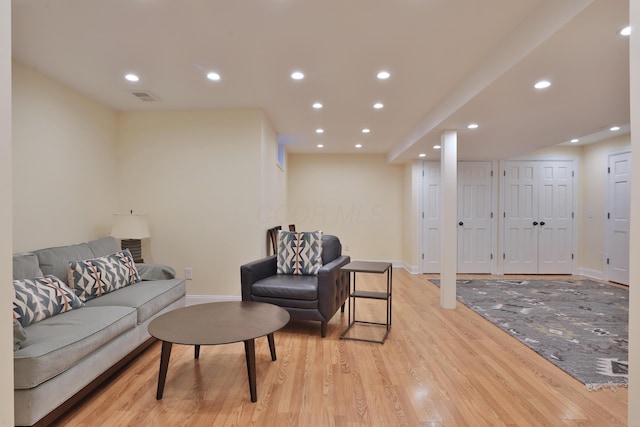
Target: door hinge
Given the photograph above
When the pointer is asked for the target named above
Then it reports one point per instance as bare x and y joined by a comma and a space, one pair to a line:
608, 215
572, 174
607, 261
422, 214
504, 214
571, 256
490, 256
572, 215
609, 170
504, 173
491, 173
504, 256
491, 215
422, 256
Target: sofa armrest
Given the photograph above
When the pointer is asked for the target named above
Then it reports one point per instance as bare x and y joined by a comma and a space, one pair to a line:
251, 272
155, 271
333, 286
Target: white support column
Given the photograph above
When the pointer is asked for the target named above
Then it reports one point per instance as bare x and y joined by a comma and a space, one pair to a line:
449, 218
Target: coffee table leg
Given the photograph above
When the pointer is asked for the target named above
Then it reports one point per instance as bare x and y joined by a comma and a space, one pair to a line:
250, 354
164, 366
197, 352
272, 346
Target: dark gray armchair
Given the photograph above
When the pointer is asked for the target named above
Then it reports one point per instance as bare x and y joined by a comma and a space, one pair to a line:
304, 297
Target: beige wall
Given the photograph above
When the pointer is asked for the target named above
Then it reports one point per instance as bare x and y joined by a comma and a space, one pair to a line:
411, 219
593, 180
357, 197
64, 166
198, 175
634, 271
6, 292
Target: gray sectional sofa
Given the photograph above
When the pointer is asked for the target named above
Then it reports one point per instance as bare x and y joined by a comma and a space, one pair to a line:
64, 357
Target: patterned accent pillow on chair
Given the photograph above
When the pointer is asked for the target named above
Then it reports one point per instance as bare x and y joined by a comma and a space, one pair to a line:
299, 253
92, 278
37, 299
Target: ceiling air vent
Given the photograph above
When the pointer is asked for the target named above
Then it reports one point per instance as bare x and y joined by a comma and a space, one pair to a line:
145, 95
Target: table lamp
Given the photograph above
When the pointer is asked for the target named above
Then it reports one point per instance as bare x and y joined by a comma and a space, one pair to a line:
131, 229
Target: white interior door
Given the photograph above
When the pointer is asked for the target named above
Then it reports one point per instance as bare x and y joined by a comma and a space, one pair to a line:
474, 217
431, 218
618, 218
555, 218
538, 217
520, 218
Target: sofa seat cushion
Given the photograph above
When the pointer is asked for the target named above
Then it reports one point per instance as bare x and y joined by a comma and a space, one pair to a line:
287, 286
57, 343
147, 298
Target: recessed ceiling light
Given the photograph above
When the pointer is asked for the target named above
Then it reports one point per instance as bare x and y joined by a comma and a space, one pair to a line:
542, 84
626, 31
132, 77
422, 155
472, 126
297, 75
378, 105
436, 147
317, 105
383, 75
320, 146
358, 145
213, 76
319, 130
365, 130
574, 140
614, 128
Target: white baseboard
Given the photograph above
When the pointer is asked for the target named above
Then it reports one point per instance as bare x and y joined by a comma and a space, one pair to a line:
201, 299
588, 272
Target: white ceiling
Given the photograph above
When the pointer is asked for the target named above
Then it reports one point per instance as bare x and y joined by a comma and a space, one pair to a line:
452, 62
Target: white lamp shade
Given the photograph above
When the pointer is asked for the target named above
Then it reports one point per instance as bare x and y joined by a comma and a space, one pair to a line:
130, 226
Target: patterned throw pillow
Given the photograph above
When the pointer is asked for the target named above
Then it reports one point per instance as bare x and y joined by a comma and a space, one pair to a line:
92, 278
299, 253
37, 299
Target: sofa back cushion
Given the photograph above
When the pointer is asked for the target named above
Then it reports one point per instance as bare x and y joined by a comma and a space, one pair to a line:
92, 278
331, 248
299, 253
55, 261
104, 246
37, 299
25, 266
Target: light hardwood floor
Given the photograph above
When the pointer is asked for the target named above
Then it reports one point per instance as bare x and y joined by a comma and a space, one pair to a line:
437, 368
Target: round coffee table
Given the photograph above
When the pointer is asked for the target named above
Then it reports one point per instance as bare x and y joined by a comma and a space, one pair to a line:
218, 323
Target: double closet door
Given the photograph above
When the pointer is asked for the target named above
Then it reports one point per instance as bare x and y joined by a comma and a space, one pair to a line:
538, 217
474, 217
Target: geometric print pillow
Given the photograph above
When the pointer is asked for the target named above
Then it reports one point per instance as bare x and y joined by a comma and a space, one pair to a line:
92, 278
299, 253
37, 299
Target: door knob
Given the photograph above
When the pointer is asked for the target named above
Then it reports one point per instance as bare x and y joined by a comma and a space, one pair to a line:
535, 222
461, 223
541, 222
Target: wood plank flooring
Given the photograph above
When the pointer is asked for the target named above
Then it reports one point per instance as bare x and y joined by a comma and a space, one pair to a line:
437, 368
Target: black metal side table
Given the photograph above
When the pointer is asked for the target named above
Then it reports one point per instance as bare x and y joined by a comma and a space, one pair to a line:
368, 267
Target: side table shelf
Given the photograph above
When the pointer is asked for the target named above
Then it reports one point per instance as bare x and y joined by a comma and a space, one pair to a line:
368, 267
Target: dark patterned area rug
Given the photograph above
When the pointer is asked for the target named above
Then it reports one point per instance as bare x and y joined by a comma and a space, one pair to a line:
581, 326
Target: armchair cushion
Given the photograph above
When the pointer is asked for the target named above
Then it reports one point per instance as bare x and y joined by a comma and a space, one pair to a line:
299, 253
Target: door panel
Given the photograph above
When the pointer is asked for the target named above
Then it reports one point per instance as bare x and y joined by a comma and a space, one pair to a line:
618, 221
474, 212
431, 220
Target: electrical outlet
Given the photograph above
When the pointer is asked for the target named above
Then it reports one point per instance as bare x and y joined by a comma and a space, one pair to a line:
346, 248
188, 273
